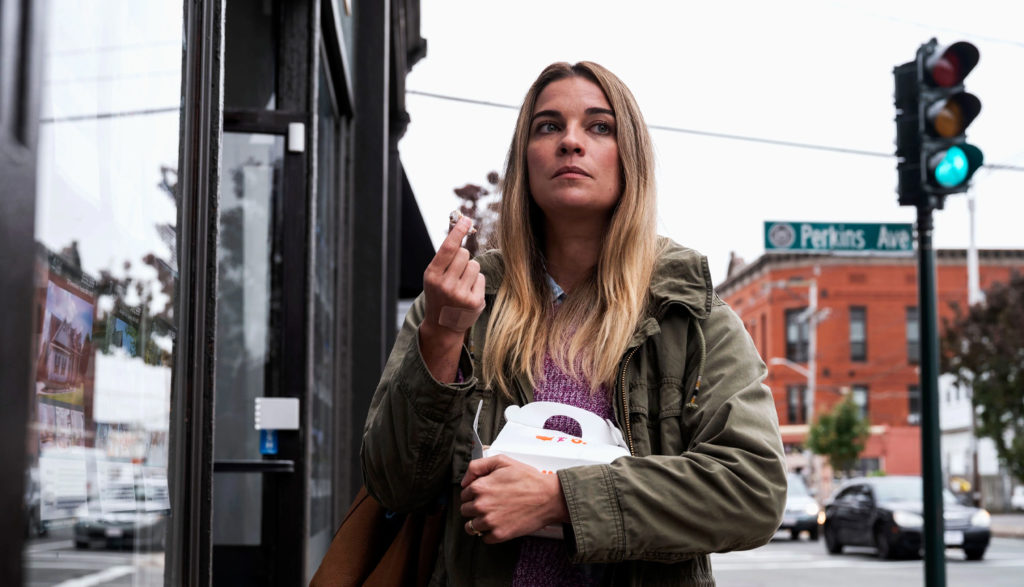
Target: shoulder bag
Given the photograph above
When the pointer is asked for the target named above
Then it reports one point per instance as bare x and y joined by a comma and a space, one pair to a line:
376, 547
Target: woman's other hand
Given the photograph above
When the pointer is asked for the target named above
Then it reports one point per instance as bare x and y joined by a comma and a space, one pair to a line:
453, 288
506, 499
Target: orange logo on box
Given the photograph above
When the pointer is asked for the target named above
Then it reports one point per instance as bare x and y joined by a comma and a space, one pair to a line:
561, 439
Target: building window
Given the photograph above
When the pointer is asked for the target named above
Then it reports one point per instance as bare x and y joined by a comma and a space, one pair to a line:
867, 466
796, 396
914, 404
913, 337
796, 336
860, 397
764, 329
858, 334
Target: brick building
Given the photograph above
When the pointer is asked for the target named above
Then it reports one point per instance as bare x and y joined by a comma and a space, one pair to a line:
866, 340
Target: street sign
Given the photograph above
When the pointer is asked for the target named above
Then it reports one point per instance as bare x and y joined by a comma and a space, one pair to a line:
822, 237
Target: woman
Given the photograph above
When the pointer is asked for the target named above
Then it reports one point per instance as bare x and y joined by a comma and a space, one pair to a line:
585, 305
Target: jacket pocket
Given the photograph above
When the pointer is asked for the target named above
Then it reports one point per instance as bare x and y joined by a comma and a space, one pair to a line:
670, 409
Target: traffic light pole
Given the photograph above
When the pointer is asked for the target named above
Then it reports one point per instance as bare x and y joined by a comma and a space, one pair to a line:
934, 541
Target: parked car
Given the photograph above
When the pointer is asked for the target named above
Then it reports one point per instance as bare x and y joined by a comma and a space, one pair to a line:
1017, 499
886, 512
801, 509
122, 530
142, 528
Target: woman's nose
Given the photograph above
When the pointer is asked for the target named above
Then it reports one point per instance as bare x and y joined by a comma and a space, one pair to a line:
571, 142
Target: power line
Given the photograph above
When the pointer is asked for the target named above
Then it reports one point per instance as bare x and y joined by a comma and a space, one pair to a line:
718, 135
931, 27
106, 115
465, 100
778, 142
114, 48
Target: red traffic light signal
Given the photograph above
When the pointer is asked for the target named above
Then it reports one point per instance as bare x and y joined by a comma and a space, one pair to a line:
948, 66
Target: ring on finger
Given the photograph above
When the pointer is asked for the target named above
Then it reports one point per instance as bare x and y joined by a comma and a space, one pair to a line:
473, 530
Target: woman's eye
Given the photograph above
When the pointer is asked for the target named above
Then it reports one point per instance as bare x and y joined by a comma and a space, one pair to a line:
546, 127
602, 128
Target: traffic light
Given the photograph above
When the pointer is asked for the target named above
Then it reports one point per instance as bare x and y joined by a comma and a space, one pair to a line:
932, 115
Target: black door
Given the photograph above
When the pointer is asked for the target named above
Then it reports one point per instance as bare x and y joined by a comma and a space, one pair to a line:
258, 489
18, 107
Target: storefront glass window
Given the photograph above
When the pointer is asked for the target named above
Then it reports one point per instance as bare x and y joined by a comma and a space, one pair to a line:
251, 184
323, 438
106, 232
250, 45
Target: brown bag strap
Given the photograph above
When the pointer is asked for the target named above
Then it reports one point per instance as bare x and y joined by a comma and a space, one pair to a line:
372, 547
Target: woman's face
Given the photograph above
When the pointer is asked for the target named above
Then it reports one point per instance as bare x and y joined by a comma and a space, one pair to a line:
572, 156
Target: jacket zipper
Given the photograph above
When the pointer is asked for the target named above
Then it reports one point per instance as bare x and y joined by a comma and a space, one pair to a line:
625, 400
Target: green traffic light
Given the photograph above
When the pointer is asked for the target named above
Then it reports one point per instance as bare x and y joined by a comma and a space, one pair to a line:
952, 169
954, 166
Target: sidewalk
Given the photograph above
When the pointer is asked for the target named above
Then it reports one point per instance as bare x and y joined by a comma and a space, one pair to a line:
1008, 525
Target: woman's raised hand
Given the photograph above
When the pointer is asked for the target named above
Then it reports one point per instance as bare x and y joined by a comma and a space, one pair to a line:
453, 288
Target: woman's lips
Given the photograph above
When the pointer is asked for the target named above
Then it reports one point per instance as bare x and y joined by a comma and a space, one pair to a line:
570, 172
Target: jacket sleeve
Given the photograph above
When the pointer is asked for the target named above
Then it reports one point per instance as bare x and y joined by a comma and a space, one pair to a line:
408, 438
726, 492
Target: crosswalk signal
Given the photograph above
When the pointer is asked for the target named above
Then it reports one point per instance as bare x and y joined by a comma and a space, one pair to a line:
932, 115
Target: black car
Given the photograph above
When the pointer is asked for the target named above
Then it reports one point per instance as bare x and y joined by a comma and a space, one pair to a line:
886, 513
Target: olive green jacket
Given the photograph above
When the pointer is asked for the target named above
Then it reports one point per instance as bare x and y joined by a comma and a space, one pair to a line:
707, 472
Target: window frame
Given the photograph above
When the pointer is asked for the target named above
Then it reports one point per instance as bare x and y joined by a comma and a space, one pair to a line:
865, 408
913, 345
914, 397
859, 354
797, 350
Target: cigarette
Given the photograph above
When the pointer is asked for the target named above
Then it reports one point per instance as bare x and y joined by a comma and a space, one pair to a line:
454, 218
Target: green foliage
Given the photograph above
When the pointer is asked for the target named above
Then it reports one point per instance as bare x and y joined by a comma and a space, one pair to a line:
984, 348
840, 435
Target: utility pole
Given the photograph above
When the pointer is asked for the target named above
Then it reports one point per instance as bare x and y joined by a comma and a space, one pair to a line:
974, 296
811, 316
812, 343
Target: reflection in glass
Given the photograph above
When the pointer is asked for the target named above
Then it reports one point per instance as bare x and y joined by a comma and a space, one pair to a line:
251, 181
250, 46
104, 347
325, 298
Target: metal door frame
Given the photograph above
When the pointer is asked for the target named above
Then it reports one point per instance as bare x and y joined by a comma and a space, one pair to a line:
190, 470
20, 51
284, 531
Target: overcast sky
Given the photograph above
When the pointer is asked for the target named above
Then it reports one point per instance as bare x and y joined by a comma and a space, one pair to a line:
817, 72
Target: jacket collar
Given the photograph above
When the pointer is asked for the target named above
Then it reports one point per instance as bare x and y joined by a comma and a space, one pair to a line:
681, 276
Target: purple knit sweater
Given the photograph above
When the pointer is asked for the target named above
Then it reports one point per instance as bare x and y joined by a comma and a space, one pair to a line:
543, 561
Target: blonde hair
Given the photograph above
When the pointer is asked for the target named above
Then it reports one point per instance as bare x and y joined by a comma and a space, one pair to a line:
592, 328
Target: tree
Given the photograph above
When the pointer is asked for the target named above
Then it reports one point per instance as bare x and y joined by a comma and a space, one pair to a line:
984, 348
481, 204
840, 435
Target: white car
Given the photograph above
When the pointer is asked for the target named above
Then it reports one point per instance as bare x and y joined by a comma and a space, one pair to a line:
1017, 500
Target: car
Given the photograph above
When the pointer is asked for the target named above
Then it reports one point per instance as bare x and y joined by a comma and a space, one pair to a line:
122, 531
801, 509
1017, 499
142, 526
886, 513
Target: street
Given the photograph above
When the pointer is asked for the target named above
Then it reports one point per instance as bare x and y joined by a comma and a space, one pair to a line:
53, 560
796, 564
